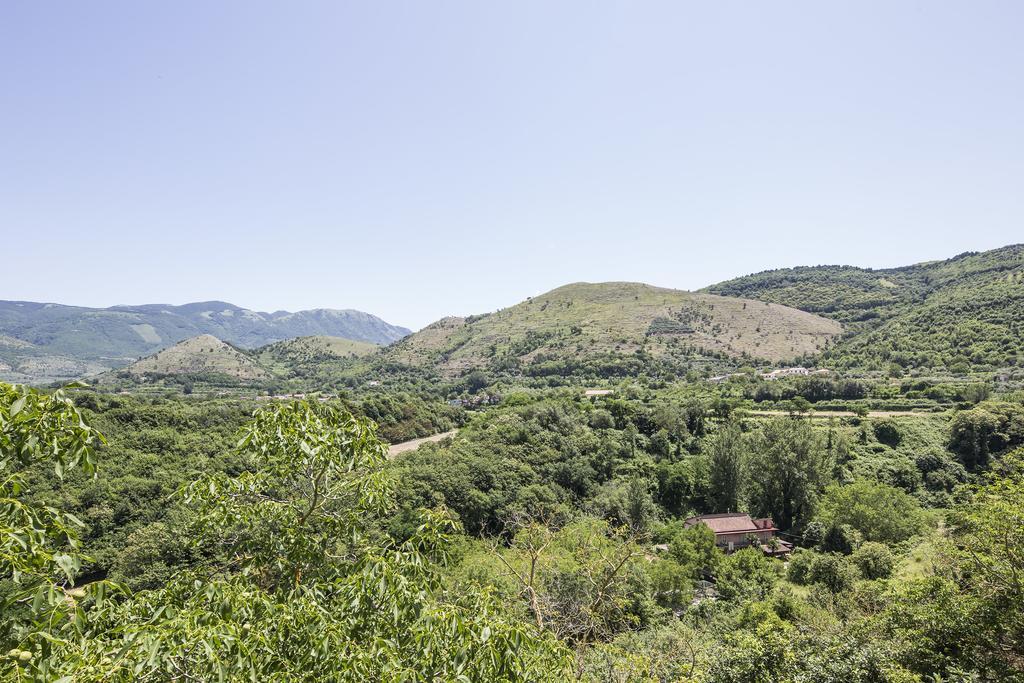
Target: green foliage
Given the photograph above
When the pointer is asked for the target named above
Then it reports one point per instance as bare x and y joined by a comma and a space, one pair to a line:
747, 574
402, 416
314, 475
286, 556
988, 429
583, 582
877, 511
787, 469
301, 582
544, 457
960, 313
693, 549
39, 546
970, 615
725, 457
874, 560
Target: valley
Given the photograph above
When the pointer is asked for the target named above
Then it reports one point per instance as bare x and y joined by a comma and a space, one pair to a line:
582, 447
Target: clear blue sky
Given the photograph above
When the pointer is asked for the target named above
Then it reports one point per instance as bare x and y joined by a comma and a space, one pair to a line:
419, 159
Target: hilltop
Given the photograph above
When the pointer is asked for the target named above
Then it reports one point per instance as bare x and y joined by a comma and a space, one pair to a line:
50, 342
313, 349
962, 312
318, 361
605, 323
204, 355
210, 360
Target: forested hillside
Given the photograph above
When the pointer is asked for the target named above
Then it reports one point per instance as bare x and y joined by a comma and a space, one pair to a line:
967, 311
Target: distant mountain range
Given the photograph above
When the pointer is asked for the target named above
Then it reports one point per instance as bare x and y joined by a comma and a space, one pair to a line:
51, 342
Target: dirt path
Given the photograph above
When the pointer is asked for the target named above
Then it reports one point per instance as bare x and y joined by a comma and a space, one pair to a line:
396, 448
843, 413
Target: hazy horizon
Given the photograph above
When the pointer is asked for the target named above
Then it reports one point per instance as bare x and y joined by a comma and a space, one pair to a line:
415, 328
415, 161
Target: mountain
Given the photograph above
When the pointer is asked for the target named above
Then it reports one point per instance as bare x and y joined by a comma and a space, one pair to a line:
302, 350
960, 313
203, 355
51, 342
319, 359
586, 323
315, 362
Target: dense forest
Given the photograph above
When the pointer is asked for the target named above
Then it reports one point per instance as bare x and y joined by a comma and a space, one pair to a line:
188, 539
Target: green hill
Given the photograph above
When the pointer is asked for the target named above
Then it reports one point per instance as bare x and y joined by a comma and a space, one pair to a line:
202, 356
318, 359
963, 312
582, 323
302, 350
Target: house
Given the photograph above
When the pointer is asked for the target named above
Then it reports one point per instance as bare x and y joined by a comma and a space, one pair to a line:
785, 372
598, 392
735, 530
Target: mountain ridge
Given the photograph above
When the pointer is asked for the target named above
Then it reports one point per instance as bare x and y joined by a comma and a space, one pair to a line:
59, 342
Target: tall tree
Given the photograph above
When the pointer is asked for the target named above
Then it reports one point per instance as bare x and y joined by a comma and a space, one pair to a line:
725, 456
787, 468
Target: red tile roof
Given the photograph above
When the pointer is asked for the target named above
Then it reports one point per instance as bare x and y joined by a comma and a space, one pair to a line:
732, 523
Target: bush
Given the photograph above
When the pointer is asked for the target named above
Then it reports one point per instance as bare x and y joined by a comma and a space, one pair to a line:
840, 538
747, 574
874, 560
800, 565
834, 572
878, 511
888, 432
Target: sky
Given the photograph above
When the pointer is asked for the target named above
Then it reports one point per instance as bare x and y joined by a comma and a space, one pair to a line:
428, 158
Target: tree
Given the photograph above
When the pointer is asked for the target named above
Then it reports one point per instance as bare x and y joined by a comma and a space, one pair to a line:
878, 511
694, 549
747, 573
833, 571
969, 616
874, 560
787, 468
301, 583
583, 582
988, 543
39, 544
985, 430
476, 380
725, 456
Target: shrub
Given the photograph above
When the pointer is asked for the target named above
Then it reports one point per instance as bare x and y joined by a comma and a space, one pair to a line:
874, 560
834, 572
878, 511
800, 565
